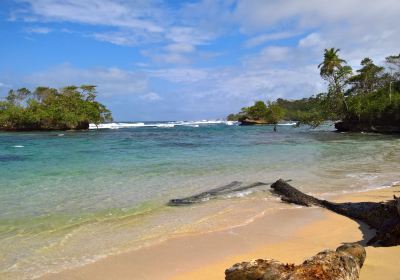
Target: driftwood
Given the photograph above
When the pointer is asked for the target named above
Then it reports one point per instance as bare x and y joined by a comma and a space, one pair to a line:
343, 264
224, 190
382, 216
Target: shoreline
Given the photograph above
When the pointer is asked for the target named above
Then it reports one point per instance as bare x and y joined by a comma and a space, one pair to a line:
288, 235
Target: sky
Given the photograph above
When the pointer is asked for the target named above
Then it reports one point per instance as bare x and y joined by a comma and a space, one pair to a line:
188, 60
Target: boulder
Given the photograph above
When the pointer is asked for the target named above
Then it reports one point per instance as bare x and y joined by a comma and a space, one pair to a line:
343, 264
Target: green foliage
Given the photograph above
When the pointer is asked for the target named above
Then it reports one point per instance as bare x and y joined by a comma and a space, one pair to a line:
370, 96
331, 64
49, 109
275, 113
233, 117
271, 113
258, 111
368, 78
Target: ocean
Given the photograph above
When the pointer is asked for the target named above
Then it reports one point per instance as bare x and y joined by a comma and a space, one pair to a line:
70, 198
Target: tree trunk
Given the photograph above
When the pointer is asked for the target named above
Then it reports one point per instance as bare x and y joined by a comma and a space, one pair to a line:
382, 216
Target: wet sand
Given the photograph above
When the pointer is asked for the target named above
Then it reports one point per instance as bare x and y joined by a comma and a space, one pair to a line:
288, 235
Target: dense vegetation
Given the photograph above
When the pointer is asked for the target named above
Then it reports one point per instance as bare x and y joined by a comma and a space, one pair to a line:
270, 113
51, 109
306, 110
365, 98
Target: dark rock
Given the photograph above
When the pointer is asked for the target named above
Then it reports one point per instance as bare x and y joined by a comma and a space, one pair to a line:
343, 264
354, 126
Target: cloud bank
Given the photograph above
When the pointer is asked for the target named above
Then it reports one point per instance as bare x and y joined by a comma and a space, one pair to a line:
205, 59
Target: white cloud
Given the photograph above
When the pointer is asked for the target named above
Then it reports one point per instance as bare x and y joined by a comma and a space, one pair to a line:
94, 12
263, 38
110, 81
180, 75
151, 96
188, 35
254, 14
180, 48
4, 87
312, 40
274, 53
126, 37
181, 33
38, 30
269, 57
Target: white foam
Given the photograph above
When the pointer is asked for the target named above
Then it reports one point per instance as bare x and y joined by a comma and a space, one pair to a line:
115, 125
18, 146
160, 125
289, 123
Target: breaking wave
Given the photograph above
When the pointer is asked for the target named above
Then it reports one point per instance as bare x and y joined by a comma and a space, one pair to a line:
160, 124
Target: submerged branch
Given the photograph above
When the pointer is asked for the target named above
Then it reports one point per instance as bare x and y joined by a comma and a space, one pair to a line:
233, 187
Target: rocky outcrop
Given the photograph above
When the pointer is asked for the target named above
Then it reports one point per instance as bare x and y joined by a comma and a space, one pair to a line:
382, 216
354, 126
343, 264
84, 125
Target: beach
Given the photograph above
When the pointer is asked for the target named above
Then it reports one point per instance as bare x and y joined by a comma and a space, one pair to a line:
141, 139
287, 235
80, 200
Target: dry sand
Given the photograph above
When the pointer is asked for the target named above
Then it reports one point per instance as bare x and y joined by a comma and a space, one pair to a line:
286, 235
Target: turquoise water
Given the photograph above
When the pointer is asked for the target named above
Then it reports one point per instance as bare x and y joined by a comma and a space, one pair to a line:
68, 198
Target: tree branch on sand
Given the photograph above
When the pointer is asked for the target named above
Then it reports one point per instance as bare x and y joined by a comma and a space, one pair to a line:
384, 217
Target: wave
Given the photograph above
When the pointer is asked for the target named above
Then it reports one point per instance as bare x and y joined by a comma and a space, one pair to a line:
160, 125
289, 123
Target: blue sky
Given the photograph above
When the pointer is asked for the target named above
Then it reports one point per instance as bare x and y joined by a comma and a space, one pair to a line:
187, 60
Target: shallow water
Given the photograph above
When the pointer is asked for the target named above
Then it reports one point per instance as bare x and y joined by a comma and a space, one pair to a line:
72, 197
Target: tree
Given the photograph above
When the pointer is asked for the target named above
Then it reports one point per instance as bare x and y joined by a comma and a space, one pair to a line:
359, 101
275, 113
393, 62
258, 111
16, 96
367, 79
334, 70
48, 108
89, 91
331, 63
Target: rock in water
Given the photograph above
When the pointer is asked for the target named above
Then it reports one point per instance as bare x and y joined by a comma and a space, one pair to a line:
343, 264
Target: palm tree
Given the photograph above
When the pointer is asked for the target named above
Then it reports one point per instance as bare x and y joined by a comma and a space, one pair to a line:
331, 63
335, 72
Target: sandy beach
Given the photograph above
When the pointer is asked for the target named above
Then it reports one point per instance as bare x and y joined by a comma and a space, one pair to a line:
288, 235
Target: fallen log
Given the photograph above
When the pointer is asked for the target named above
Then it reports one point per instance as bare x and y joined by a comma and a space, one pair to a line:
382, 216
233, 187
343, 264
